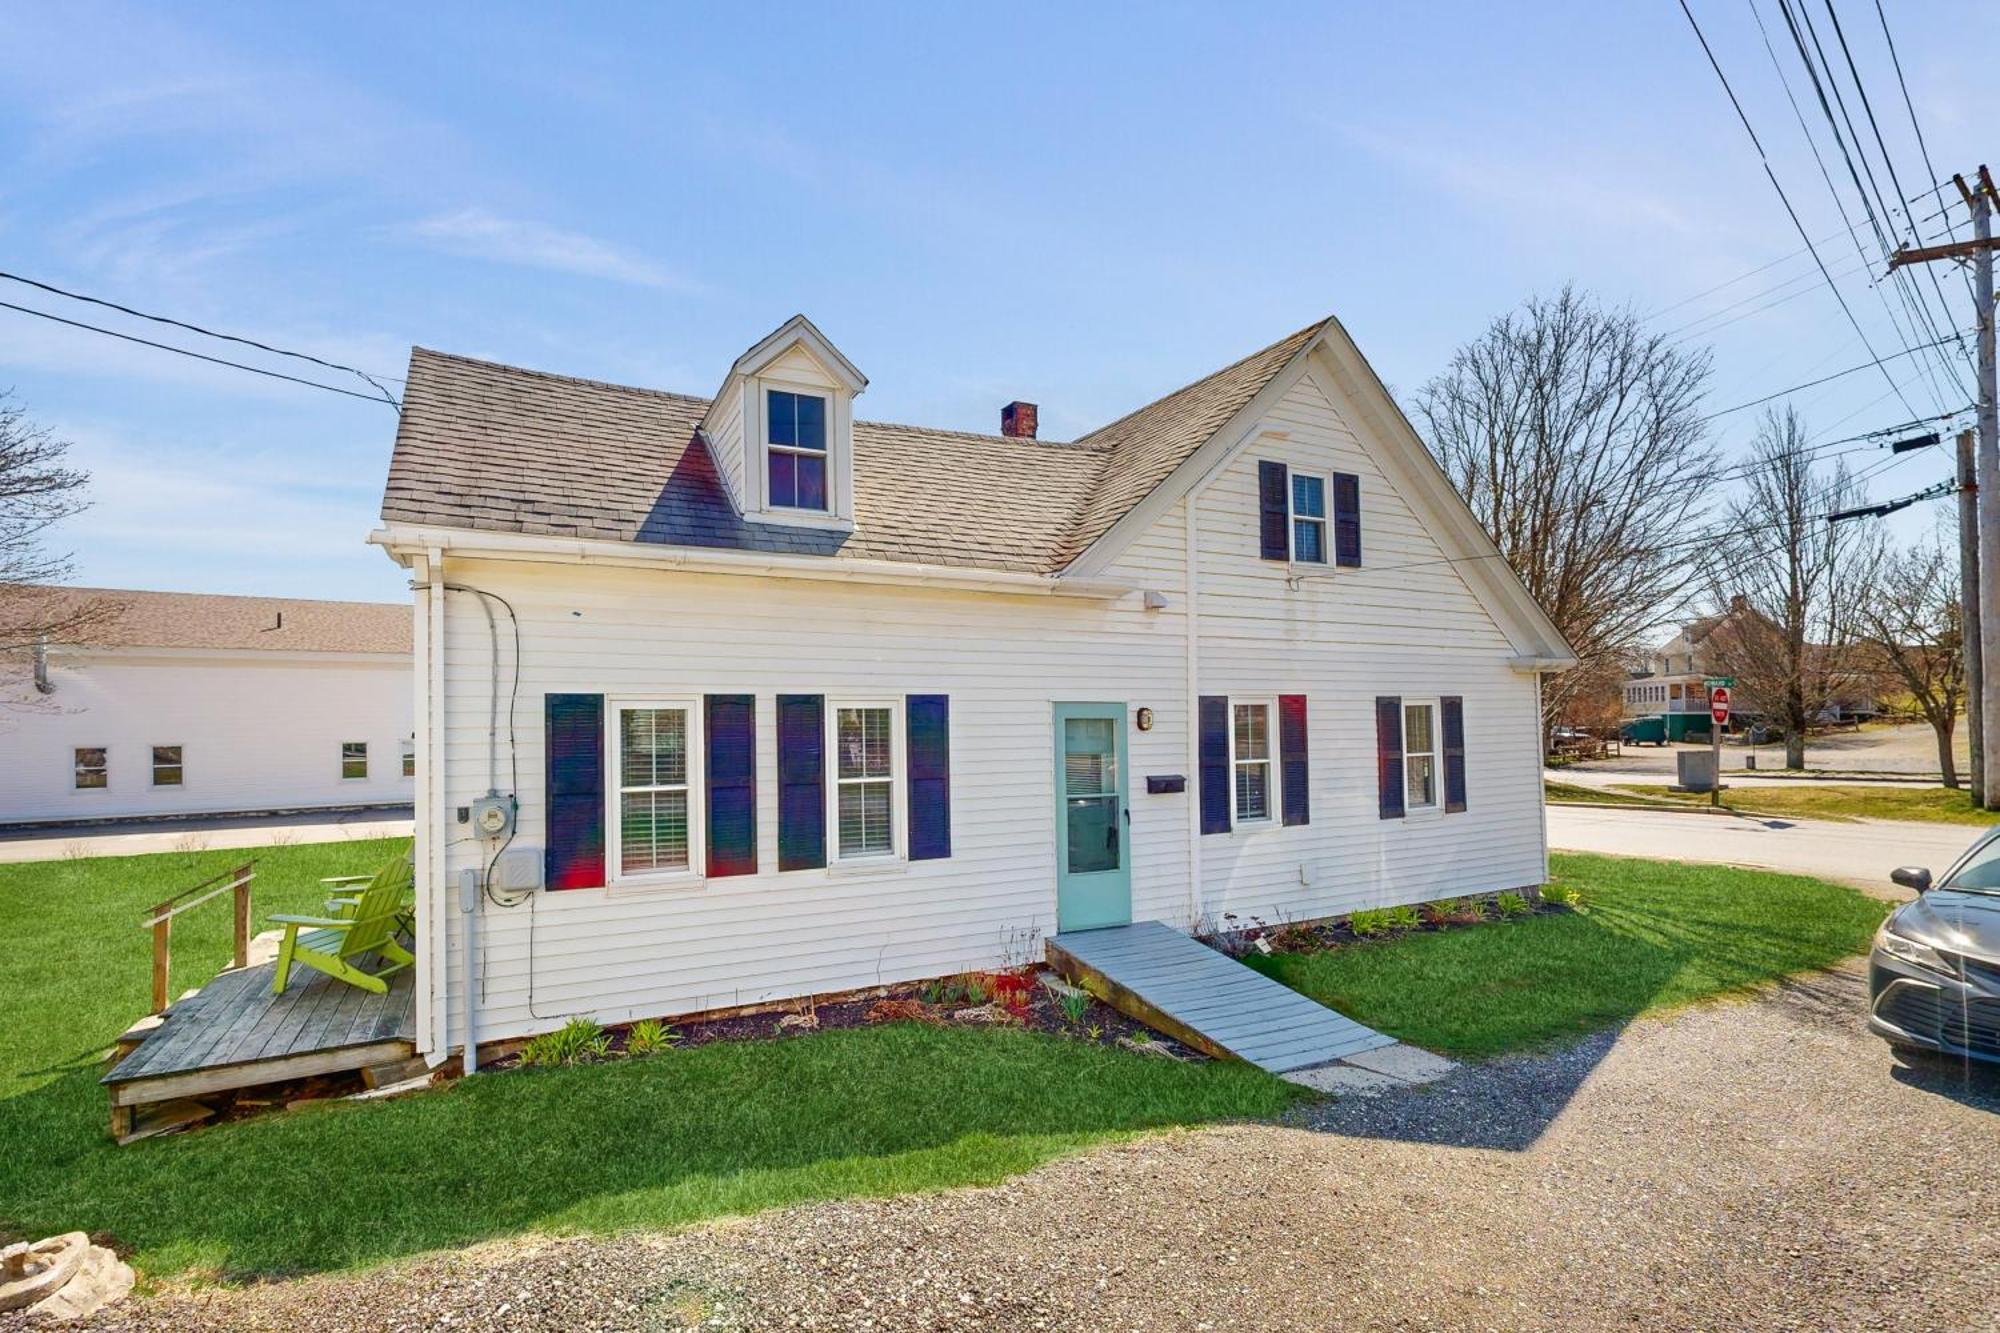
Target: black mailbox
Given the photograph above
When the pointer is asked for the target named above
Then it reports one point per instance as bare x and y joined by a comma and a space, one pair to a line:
1156, 783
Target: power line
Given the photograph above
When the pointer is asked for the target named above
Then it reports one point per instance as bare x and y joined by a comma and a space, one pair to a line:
51, 288
1791, 212
1865, 365
199, 356
1937, 181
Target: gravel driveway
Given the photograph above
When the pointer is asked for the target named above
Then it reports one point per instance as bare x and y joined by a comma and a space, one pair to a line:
1761, 1165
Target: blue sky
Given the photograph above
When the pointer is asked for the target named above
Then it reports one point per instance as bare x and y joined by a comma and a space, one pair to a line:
1084, 206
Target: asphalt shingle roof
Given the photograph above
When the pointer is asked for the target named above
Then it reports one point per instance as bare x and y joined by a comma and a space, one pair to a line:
498, 448
129, 618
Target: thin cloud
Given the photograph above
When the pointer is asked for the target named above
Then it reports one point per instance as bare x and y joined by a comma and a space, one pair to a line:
474, 233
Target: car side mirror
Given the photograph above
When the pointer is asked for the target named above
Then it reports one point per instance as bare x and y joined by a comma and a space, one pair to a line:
1912, 877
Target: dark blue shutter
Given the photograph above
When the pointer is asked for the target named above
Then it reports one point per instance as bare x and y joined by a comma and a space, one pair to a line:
1453, 709
1213, 750
1292, 758
732, 784
1389, 754
927, 746
573, 790
801, 781
1274, 510
1346, 519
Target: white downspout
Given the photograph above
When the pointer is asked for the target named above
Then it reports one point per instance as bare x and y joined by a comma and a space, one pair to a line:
1193, 614
439, 822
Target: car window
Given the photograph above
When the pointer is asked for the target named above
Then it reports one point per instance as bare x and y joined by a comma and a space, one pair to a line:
1982, 871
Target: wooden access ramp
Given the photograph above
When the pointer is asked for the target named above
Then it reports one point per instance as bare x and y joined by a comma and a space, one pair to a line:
1207, 1000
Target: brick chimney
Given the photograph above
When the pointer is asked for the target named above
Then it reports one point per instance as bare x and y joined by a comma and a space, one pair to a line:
1018, 420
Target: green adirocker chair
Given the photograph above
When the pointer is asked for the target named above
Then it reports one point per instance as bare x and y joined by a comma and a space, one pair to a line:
363, 924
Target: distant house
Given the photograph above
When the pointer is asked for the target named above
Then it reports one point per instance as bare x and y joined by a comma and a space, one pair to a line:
186, 703
731, 700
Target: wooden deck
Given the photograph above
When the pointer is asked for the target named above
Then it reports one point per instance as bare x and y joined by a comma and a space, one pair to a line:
235, 1034
1208, 1001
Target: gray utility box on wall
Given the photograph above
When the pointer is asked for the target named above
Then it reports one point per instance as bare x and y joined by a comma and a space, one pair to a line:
1697, 770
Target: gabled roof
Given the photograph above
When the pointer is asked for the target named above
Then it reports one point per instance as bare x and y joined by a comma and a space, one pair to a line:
126, 618
497, 448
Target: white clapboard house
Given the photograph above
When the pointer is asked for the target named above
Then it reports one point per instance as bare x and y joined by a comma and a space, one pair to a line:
795, 703
180, 704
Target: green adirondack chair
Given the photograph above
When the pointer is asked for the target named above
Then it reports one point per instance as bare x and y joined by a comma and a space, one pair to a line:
365, 925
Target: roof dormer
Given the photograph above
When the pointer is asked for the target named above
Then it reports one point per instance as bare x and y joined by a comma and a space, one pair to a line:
782, 429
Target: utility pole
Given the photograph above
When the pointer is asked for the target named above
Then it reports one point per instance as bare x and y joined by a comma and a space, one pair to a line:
1986, 469
1968, 614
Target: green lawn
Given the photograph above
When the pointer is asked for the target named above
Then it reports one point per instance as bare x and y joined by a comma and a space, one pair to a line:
723, 1129
1654, 935
1928, 805
1578, 794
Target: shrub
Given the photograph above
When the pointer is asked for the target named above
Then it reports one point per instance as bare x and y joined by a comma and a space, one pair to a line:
1296, 939
1402, 918
1368, 921
649, 1036
1563, 895
1454, 912
577, 1042
1511, 904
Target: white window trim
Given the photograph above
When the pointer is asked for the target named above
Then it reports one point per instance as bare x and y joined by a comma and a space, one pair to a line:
1274, 796
366, 767
614, 789
75, 768
898, 853
153, 767
1436, 753
839, 512
1293, 518
825, 454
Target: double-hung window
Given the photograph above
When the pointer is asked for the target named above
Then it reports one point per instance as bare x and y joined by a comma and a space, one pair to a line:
354, 759
1308, 518
167, 766
1250, 760
93, 767
795, 443
657, 816
865, 775
1420, 756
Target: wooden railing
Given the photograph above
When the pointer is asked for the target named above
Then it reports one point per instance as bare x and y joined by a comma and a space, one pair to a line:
160, 920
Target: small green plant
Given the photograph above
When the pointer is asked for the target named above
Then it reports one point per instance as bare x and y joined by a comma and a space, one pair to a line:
1096, 1032
1454, 912
1511, 904
1296, 939
1368, 921
1563, 895
1074, 1005
1403, 917
649, 1036
975, 989
1141, 1037
577, 1042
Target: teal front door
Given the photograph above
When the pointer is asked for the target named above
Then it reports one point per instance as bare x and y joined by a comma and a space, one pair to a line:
1093, 827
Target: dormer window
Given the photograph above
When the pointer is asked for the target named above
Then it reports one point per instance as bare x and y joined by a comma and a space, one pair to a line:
796, 448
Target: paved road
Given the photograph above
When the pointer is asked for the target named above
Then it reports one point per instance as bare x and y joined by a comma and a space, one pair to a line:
1861, 854
195, 834
1909, 749
1747, 1166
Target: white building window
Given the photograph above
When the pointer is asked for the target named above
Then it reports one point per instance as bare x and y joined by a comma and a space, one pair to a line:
1308, 518
795, 448
1420, 755
353, 759
167, 766
867, 770
656, 818
93, 768
1250, 758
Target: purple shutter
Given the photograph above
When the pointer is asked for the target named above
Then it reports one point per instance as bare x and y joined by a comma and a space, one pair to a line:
732, 784
1274, 510
927, 747
1213, 750
573, 791
1346, 519
1389, 754
801, 781
1453, 722
1292, 758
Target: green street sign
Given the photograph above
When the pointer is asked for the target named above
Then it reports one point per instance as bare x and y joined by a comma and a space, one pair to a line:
1721, 682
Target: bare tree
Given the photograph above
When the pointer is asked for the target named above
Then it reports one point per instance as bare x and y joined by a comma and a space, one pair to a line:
1911, 622
37, 491
1576, 437
1792, 585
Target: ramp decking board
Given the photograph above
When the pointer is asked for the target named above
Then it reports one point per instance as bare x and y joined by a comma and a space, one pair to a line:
1215, 1003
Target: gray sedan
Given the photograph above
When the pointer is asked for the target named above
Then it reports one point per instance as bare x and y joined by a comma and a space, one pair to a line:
1934, 975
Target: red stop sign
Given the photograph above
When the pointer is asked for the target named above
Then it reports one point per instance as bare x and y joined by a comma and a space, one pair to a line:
1718, 705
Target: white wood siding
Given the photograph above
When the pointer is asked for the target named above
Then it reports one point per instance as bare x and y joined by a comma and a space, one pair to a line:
727, 442
1403, 624
257, 732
